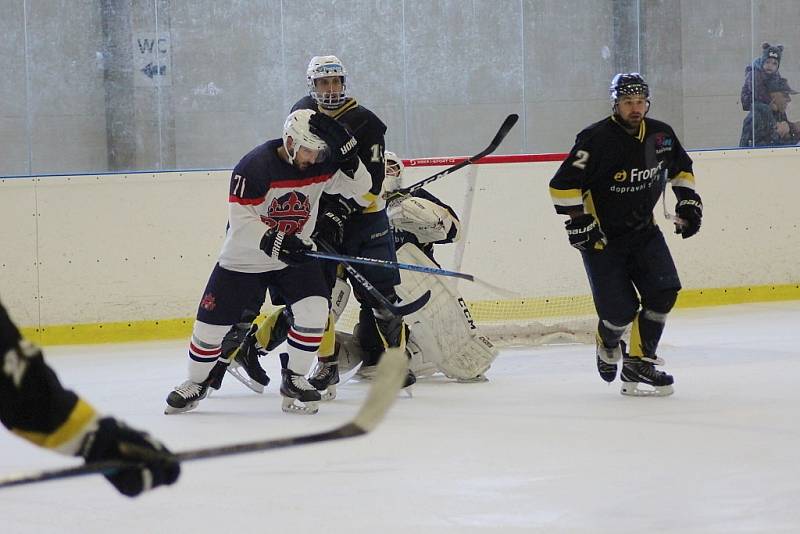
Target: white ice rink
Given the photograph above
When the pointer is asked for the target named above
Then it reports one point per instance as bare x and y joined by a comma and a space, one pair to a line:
545, 446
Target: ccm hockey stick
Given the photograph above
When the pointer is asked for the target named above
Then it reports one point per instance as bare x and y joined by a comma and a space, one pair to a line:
509, 123
389, 264
394, 309
390, 376
412, 267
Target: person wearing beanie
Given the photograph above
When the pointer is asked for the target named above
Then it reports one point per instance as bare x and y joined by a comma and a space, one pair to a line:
756, 75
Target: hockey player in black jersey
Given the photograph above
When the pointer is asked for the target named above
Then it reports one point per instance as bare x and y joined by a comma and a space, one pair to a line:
608, 185
353, 230
34, 406
273, 204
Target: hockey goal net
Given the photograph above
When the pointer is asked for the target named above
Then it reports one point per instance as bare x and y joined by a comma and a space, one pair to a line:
512, 239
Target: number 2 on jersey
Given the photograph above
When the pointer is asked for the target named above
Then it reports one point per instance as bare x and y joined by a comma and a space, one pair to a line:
581, 157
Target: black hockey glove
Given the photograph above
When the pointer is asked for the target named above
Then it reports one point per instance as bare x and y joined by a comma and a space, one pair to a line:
689, 210
152, 463
331, 221
585, 234
344, 148
287, 248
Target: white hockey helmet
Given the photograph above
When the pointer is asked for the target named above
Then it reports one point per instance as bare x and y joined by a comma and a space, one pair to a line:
296, 127
324, 67
394, 171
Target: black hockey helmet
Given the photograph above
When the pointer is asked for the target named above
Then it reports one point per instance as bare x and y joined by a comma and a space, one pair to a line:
626, 84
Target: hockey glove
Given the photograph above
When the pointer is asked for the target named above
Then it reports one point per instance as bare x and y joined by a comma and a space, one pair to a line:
331, 221
152, 464
689, 212
585, 234
284, 247
344, 148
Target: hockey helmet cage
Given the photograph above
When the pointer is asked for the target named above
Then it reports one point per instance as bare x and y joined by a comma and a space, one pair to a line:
394, 171
627, 84
297, 127
324, 67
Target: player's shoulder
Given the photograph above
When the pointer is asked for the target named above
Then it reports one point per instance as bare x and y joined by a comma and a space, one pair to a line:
359, 118
597, 132
259, 161
305, 103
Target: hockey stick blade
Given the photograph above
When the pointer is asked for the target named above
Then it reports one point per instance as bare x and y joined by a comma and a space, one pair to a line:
394, 309
389, 378
509, 123
390, 264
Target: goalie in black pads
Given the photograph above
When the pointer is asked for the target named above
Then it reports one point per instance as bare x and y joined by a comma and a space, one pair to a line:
609, 185
34, 406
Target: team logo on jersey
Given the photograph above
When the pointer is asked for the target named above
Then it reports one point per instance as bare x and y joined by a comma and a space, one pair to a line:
663, 143
208, 302
288, 213
621, 176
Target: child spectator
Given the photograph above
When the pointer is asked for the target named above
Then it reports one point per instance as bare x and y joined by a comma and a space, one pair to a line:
756, 76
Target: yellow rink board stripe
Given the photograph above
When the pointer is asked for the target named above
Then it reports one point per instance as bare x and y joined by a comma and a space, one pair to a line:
482, 311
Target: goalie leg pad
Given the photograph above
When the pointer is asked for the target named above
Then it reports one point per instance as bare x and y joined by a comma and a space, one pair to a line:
464, 352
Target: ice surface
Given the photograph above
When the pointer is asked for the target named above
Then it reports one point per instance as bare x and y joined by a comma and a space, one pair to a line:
545, 446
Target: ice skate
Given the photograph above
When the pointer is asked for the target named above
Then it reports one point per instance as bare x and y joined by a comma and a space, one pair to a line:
299, 396
186, 397
245, 366
607, 359
325, 378
640, 378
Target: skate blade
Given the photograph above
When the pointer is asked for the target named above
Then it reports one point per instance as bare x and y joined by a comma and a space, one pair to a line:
329, 393
290, 405
347, 375
240, 375
169, 410
637, 389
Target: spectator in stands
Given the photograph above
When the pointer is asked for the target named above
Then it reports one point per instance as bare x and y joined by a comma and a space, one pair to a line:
768, 124
763, 69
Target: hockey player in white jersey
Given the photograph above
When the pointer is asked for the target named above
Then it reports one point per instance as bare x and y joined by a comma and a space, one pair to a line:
273, 204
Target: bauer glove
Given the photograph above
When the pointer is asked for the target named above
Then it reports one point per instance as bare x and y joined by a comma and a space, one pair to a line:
585, 234
331, 222
344, 147
284, 247
152, 464
689, 212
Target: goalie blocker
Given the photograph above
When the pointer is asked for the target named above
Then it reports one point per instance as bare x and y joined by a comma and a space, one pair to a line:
442, 335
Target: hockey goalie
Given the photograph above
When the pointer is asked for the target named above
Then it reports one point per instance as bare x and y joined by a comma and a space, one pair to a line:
441, 337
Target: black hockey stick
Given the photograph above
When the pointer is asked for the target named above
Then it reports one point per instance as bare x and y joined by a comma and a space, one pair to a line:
412, 267
509, 123
390, 264
394, 309
390, 376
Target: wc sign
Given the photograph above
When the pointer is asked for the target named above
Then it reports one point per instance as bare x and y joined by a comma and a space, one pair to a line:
151, 59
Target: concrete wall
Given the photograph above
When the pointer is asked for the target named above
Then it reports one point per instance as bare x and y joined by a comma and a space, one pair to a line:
75, 97
134, 247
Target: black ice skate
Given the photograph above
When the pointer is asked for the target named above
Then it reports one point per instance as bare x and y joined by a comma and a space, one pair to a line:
642, 371
241, 350
245, 366
298, 395
607, 359
325, 378
186, 397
